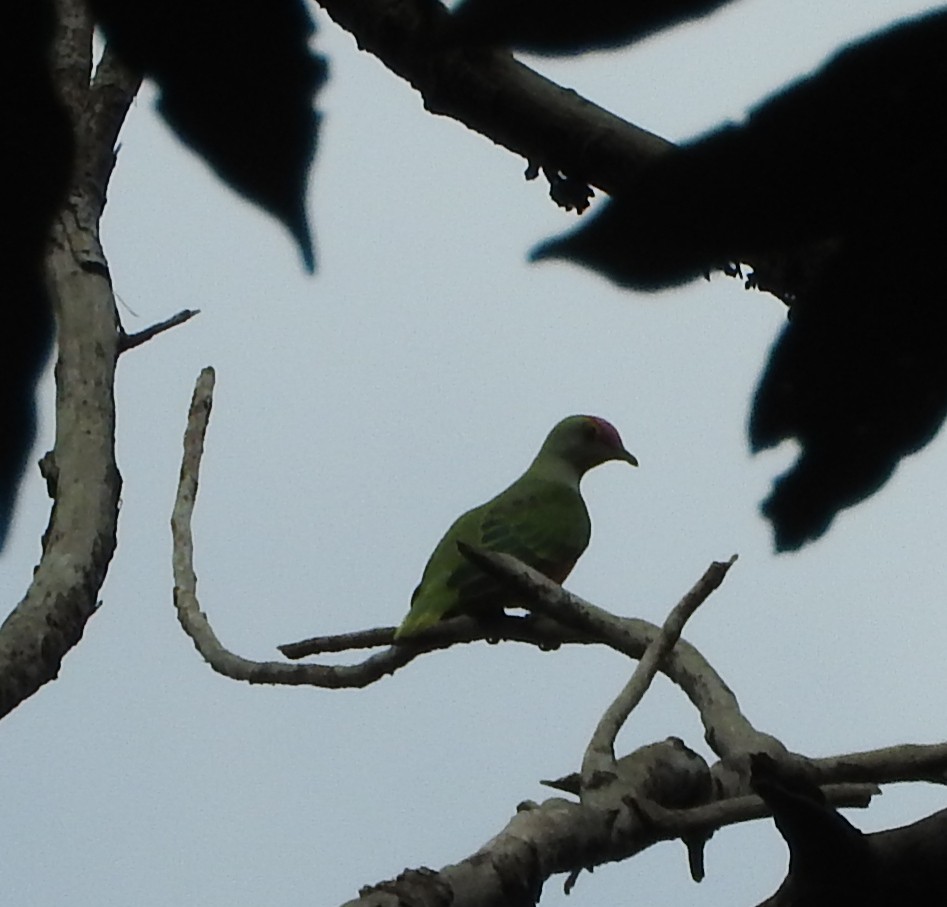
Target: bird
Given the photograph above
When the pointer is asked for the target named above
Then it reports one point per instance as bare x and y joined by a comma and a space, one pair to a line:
540, 519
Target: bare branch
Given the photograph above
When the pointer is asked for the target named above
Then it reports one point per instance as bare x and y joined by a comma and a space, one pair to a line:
907, 762
747, 807
130, 341
194, 621
732, 735
80, 539
446, 633
81, 471
599, 759
341, 642
727, 731
557, 836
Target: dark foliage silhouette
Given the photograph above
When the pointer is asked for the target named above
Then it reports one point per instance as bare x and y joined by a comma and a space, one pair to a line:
37, 157
237, 84
841, 178
567, 27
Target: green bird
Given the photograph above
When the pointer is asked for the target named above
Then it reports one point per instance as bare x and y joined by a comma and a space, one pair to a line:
540, 519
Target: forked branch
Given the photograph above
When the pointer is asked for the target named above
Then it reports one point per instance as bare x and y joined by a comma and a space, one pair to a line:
600, 754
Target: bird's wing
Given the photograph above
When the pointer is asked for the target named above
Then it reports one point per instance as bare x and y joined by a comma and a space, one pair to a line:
544, 525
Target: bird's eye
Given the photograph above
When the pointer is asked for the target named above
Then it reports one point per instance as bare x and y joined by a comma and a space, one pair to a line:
590, 431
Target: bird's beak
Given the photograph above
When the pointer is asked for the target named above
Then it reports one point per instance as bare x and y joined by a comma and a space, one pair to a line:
626, 457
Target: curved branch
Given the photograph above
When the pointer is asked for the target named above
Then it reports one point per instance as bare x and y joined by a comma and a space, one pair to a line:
198, 628
686, 666
195, 622
558, 836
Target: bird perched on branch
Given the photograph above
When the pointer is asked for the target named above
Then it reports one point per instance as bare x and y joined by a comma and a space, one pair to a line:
540, 519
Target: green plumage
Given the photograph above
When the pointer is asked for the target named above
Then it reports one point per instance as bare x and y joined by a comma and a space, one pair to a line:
540, 519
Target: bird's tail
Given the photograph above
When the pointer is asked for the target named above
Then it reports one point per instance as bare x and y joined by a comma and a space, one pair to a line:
416, 621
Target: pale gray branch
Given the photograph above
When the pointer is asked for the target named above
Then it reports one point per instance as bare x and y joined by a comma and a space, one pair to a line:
891, 764
727, 730
81, 471
599, 759
559, 836
195, 622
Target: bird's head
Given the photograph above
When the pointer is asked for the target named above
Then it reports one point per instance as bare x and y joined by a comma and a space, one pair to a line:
584, 442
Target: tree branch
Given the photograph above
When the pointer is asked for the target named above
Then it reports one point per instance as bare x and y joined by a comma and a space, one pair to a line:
130, 341
340, 642
493, 94
686, 666
111, 93
559, 836
194, 621
81, 470
727, 730
598, 763
72, 59
731, 735
556, 130
906, 762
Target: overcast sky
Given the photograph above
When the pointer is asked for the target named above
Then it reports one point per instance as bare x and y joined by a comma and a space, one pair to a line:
357, 413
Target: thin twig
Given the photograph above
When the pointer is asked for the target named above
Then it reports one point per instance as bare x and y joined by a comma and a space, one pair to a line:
339, 642
454, 630
727, 730
599, 759
130, 341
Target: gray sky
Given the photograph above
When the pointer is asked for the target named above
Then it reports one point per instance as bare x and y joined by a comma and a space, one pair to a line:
357, 413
